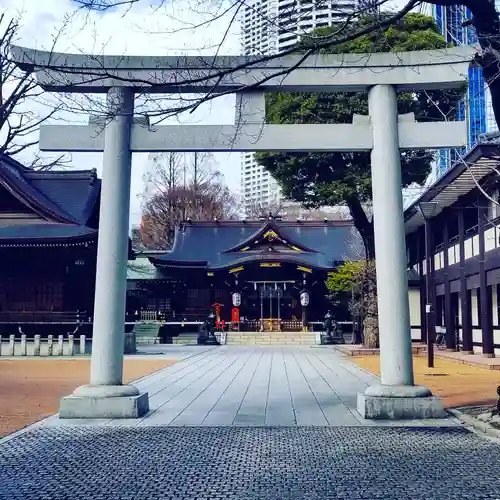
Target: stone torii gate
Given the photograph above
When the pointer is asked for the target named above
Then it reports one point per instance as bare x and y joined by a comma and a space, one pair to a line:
382, 132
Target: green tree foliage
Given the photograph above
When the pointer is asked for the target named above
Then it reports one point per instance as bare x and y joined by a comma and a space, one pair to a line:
354, 282
318, 179
344, 278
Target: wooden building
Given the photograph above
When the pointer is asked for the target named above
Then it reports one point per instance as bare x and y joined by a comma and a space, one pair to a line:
463, 221
48, 248
255, 271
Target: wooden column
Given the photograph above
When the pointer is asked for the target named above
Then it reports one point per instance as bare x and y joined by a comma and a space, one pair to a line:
486, 324
430, 287
449, 320
420, 242
464, 297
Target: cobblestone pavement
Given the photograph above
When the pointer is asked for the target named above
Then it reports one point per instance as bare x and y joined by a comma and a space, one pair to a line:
254, 463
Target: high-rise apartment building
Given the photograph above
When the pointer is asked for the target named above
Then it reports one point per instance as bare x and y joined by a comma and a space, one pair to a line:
473, 108
270, 27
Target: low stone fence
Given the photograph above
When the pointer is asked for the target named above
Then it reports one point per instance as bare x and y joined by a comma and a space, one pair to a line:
60, 345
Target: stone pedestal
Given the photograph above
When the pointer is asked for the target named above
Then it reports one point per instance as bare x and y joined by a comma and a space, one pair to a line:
327, 340
123, 401
399, 402
210, 340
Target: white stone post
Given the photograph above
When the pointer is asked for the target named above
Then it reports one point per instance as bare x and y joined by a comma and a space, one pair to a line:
71, 344
106, 396
12, 345
82, 345
36, 346
24, 345
397, 396
60, 345
50, 345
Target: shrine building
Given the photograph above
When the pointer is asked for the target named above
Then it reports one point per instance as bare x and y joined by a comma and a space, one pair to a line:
48, 247
267, 274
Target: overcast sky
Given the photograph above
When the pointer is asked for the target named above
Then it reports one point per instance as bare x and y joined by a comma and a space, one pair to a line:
143, 31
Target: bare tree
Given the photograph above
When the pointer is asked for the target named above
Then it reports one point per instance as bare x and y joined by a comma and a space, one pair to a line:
166, 209
256, 210
19, 95
485, 20
178, 189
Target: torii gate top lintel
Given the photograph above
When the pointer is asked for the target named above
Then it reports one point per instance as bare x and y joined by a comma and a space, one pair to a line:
416, 70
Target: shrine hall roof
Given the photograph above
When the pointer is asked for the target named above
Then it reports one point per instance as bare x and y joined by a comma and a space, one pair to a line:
63, 202
219, 245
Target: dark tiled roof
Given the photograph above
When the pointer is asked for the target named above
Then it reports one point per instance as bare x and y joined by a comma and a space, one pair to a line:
49, 233
63, 196
76, 192
65, 199
211, 245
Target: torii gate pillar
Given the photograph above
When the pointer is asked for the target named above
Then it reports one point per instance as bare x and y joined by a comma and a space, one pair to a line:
106, 396
396, 396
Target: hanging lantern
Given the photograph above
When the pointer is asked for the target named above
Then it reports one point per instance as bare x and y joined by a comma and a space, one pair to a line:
236, 299
304, 298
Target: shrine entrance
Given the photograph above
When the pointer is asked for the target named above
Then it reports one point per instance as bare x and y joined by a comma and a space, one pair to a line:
273, 306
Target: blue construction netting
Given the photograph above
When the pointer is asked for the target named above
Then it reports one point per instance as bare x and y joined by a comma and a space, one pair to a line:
473, 108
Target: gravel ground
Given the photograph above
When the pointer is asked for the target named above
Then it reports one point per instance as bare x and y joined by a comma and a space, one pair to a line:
30, 389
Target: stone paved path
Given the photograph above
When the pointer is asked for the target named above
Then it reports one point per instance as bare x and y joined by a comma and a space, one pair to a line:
242, 423
245, 386
244, 463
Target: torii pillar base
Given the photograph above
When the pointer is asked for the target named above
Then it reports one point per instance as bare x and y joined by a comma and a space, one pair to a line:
121, 401
399, 403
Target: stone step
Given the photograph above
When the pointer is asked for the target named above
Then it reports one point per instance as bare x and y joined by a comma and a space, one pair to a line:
265, 337
272, 334
262, 339
183, 341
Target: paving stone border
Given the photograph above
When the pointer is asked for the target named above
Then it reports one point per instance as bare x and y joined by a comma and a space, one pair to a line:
469, 415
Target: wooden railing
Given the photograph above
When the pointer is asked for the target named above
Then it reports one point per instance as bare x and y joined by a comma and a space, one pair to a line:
149, 315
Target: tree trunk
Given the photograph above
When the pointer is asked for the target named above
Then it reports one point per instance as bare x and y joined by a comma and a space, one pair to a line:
370, 321
368, 286
363, 225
